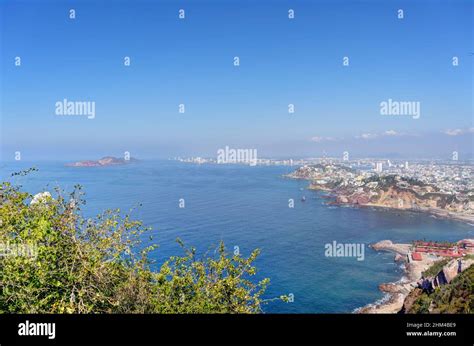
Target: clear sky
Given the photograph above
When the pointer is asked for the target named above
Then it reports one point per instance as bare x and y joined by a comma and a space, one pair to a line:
282, 61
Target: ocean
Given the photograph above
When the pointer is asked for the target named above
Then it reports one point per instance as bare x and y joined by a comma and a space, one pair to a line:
248, 207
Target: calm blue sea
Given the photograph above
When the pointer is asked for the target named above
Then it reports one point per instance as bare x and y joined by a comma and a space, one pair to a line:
248, 207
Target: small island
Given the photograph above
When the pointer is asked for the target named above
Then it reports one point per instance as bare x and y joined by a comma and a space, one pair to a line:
105, 161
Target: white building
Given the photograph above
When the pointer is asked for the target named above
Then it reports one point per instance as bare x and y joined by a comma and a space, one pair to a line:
378, 167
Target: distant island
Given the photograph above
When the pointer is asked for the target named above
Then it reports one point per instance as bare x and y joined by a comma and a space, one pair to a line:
105, 161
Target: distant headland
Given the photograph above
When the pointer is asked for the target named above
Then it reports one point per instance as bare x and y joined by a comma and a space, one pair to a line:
105, 161
442, 190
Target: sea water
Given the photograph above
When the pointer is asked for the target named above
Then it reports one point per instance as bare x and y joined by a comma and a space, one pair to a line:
248, 207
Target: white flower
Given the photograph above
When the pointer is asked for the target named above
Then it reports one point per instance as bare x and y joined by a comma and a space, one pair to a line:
41, 197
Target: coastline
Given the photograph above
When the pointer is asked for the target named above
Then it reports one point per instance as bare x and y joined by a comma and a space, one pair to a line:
396, 292
436, 212
440, 213
396, 190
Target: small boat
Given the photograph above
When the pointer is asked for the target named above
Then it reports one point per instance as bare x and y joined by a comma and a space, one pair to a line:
303, 199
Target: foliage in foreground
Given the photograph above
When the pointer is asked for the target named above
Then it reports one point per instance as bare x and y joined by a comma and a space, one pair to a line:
455, 297
91, 266
434, 269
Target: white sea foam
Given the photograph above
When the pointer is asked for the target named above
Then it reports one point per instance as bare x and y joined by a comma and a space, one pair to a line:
385, 299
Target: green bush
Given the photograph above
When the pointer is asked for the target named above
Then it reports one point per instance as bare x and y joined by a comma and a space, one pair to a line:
93, 266
455, 297
435, 268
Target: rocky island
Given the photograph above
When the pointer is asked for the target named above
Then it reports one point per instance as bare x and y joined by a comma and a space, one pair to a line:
105, 161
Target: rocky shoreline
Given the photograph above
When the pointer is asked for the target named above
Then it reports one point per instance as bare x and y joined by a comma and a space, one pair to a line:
351, 187
343, 185
338, 199
398, 292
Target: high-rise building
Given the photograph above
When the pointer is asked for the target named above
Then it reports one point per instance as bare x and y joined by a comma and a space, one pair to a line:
378, 167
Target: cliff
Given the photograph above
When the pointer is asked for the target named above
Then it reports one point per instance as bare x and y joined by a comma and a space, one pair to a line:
386, 191
457, 296
431, 285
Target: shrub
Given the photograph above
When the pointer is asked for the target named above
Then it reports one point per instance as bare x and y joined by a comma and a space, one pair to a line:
94, 265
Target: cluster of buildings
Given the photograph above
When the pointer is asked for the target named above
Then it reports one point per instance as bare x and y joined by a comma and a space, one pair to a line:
259, 162
449, 177
450, 250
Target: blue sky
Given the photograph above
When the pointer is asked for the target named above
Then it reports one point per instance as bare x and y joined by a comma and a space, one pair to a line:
190, 61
